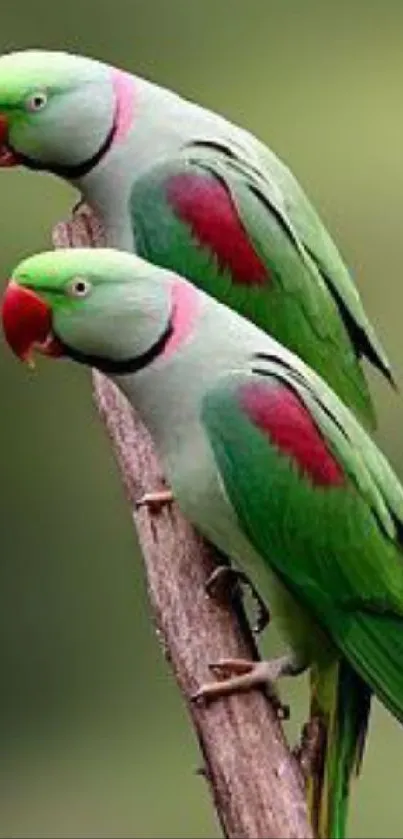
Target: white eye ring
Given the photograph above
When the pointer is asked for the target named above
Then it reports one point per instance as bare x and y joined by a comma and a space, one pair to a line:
79, 287
37, 101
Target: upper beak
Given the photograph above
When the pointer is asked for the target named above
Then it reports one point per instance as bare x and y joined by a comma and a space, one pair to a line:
27, 323
8, 157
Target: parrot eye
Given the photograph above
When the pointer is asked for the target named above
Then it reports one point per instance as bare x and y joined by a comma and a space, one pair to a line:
79, 287
36, 101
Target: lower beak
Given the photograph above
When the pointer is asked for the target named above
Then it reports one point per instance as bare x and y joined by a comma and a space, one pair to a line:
8, 157
27, 323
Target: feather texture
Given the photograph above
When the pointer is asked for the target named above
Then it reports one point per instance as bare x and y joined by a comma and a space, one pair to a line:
214, 218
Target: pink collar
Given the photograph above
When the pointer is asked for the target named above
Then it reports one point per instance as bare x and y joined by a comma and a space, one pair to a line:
124, 88
186, 302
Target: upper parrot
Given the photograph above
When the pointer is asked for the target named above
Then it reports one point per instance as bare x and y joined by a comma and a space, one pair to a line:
192, 192
265, 460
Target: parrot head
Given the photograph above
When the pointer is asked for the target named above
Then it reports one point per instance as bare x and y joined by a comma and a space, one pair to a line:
58, 112
100, 307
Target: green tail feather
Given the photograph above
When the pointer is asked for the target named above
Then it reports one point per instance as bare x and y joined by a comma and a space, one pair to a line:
340, 703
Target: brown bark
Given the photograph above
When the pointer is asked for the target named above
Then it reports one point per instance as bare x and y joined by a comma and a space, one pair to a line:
255, 781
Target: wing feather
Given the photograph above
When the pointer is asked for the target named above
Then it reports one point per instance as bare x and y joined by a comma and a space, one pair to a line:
215, 218
332, 535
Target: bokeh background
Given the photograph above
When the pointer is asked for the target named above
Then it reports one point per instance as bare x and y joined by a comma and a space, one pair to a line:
95, 740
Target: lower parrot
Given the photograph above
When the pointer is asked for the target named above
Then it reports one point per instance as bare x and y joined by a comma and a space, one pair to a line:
267, 463
192, 192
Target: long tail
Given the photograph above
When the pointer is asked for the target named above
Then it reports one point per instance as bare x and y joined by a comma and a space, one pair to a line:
340, 704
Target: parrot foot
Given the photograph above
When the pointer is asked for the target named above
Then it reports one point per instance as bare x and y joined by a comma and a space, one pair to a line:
155, 501
79, 207
239, 674
82, 228
225, 582
307, 752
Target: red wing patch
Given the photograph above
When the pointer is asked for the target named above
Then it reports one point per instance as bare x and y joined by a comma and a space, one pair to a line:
281, 415
203, 202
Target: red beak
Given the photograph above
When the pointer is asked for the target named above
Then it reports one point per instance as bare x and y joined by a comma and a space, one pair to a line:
8, 157
27, 323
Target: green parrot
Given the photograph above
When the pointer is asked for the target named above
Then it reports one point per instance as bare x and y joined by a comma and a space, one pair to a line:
267, 463
190, 191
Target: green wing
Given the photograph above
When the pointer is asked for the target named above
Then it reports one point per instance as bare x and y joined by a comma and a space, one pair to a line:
323, 508
216, 219
316, 241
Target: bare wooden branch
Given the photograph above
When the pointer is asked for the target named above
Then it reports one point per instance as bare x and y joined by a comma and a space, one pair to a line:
255, 781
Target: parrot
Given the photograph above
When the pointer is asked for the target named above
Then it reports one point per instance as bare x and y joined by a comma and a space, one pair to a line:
190, 191
269, 465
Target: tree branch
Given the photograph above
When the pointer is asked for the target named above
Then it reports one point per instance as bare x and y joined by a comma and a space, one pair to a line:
255, 782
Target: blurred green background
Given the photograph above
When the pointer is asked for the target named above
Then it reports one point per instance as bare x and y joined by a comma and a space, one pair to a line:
94, 737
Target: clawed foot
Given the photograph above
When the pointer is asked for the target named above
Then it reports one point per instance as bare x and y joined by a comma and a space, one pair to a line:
80, 208
82, 230
155, 501
241, 675
309, 749
226, 581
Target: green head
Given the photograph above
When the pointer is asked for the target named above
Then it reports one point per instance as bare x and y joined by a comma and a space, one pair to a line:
57, 111
102, 307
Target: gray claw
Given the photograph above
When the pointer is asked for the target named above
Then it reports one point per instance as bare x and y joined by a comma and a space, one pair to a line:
226, 582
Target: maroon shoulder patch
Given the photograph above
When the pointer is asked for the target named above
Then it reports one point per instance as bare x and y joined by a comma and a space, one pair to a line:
283, 417
203, 202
